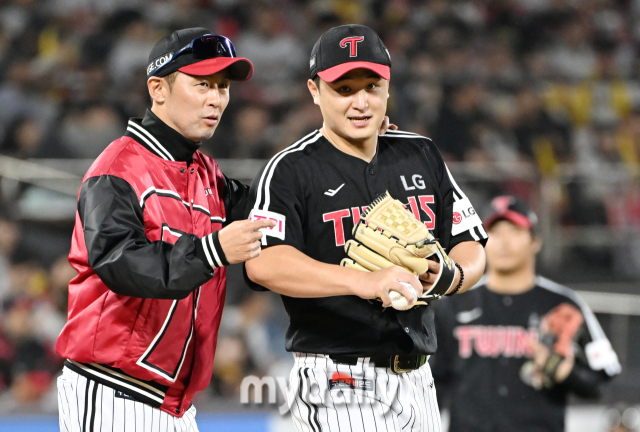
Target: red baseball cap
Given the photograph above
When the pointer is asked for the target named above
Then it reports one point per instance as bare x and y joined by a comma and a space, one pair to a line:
513, 209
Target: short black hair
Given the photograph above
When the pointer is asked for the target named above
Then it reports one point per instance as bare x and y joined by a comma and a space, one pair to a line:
316, 80
171, 79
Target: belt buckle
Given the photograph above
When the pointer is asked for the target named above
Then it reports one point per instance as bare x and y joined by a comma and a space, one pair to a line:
420, 361
396, 367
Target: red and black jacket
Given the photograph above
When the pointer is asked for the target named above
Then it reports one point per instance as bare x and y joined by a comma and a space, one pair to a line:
145, 308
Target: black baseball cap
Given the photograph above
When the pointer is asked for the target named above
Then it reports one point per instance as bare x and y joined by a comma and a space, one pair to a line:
514, 209
347, 47
195, 51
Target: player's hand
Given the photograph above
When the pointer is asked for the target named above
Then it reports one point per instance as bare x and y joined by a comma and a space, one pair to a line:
377, 284
541, 353
386, 125
240, 240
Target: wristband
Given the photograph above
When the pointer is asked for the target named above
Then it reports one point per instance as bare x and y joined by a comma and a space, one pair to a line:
457, 288
551, 365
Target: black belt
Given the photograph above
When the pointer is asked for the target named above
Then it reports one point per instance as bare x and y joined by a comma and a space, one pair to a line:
398, 363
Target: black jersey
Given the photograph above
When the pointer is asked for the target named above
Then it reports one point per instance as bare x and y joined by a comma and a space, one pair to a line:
316, 194
482, 345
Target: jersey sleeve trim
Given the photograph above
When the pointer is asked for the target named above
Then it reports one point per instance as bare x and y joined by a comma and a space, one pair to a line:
593, 326
210, 249
457, 192
266, 176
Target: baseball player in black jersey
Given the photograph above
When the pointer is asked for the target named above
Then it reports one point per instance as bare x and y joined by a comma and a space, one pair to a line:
358, 365
512, 349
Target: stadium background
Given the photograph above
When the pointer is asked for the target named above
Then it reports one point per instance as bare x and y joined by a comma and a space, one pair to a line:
540, 98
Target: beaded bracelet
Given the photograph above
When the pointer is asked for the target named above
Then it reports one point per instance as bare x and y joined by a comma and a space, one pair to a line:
457, 288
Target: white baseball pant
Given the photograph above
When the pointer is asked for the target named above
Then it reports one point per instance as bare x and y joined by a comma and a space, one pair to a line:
87, 406
324, 396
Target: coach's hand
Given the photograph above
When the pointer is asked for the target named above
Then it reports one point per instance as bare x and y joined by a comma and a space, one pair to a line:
240, 240
377, 284
386, 125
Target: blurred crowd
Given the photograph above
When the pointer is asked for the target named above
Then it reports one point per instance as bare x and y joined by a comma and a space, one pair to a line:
549, 84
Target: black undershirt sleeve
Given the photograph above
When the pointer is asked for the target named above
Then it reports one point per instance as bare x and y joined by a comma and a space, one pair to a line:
119, 252
584, 381
443, 362
235, 197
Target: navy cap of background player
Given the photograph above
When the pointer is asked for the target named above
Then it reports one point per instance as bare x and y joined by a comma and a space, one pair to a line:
347, 47
513, 209
195, 51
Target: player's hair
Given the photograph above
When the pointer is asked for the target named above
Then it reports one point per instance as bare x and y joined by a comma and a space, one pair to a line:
171, 78
317, 80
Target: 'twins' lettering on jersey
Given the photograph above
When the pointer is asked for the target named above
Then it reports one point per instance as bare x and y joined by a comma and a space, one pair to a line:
494, 341
354, 213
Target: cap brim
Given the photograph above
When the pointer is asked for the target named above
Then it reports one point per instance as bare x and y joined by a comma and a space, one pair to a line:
332, 74
239, 69
514, 217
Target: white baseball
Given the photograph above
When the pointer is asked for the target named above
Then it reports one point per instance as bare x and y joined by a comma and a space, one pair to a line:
400, 302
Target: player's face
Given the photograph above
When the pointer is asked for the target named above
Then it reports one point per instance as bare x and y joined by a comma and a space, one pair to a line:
353, 106
195, 104
510, 248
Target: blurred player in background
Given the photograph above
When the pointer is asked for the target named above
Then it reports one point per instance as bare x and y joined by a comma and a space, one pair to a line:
157, 223
513, 348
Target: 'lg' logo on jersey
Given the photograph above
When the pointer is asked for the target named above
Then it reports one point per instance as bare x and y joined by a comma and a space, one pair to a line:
353, 44
457, 217
417, 182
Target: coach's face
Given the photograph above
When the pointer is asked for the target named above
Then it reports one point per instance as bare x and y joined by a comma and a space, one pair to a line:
510, 248
353, 106
193, 105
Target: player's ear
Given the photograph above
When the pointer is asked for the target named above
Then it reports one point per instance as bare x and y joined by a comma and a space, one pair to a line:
536, 244
314, 90
158, 89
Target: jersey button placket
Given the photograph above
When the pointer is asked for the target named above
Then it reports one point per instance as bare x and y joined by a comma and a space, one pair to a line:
189, 199
191, 195
371, 179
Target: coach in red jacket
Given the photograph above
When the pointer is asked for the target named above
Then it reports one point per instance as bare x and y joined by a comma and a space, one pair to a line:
154, 230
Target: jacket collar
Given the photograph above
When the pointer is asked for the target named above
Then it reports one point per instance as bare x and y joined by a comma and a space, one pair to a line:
161, 139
